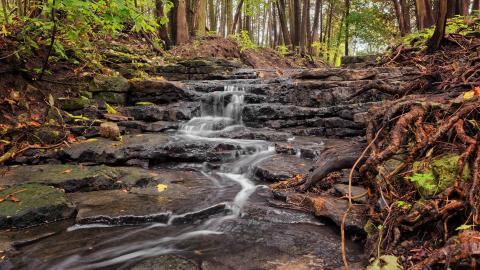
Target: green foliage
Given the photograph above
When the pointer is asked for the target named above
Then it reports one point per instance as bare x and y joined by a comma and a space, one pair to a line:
464, 227
385, 262
283, 50
424, 182
403, 205
244, 41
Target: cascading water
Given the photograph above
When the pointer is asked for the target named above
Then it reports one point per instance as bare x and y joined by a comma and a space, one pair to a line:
219, 110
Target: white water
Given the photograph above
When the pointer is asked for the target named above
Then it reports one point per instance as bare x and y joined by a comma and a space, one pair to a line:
216, 116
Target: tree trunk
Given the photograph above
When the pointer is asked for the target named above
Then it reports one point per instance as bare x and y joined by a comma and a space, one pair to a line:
182, 24
162, 29
212, 15
439, 34
347, 25
475, 6
399, 15
304, 28
406, 16
5, 11
316, 19
236, 19
297, 22
229, 16
172, 26
424, 14
201, 18
283, 22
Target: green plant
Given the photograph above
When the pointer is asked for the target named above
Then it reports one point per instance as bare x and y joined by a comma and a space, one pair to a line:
244, 41
425, 181
283, 50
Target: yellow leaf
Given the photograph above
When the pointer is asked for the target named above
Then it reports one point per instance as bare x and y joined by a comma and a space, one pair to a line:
67, 171
161, 187
5, 31
110, 109
468, 95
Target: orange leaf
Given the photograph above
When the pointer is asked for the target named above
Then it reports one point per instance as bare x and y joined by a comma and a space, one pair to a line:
71, 138
35, 116
20, 125
476, 90
33, 124
67, 171
13, 198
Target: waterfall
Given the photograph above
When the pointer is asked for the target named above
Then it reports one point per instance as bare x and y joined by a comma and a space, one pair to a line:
219, 110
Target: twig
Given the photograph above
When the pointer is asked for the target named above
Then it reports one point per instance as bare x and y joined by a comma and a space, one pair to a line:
52, 41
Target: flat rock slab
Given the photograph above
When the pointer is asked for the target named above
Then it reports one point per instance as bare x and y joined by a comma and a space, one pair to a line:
166, 262
281, 167
359, 194
33, 204
182, 196
157, 148
73, 178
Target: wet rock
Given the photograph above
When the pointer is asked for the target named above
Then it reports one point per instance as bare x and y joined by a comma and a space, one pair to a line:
166, 262
73, 178
158, 92
185, 196
359, 194
342, 74
241, 132
281, 167
104, 83
37, 204
74, 103
157, 148
200, 69
173, 112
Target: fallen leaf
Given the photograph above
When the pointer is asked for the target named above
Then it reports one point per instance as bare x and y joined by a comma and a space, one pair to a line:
468, 95
20, 125
71, 138
33, 124
161, 187
14, 199
67, 171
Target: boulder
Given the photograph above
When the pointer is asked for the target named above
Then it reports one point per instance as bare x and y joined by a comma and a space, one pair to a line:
281, 167
73, 103
111, 97
33, 204
104, 83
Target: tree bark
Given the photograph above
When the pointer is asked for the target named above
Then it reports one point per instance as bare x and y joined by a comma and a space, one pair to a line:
439, 34
229, 16
212, 15
399, 14
475, 6
347, 25
283, 22
296, 20
316, 19
304, 28
406, 16
201, 18
162, 29
424, 14
236, 19
182, 24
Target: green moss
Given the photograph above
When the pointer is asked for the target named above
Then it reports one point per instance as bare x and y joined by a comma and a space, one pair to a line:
436, 176
73, 104
30, 196
103, 83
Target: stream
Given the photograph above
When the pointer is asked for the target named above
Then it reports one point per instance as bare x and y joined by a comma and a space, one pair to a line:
246, 233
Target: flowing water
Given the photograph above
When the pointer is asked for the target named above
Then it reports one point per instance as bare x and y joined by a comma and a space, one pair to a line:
253, 237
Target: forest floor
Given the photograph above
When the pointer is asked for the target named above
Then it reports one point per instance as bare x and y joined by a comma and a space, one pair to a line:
421, 164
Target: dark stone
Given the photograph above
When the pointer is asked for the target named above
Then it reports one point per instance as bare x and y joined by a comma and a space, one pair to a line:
173, 112
37, 204
281, 167
111, 97
74, 178
104, 83
158, 92
166, 262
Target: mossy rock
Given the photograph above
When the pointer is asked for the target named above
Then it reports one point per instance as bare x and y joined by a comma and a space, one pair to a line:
50, 135
103, 83
75, 178
111, 97
73, 104
440, 173
35, 204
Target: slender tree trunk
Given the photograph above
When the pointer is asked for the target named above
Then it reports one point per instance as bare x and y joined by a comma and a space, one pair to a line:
283, 22
5, 11
347, 25
439, 34
406, 16
475, 6
172, 26
212, 15
297, 22
236, 19
316, 19
303, 28
424, 14
223, 18
182, 24
400, 18
162, 29
229, 16
201, 18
